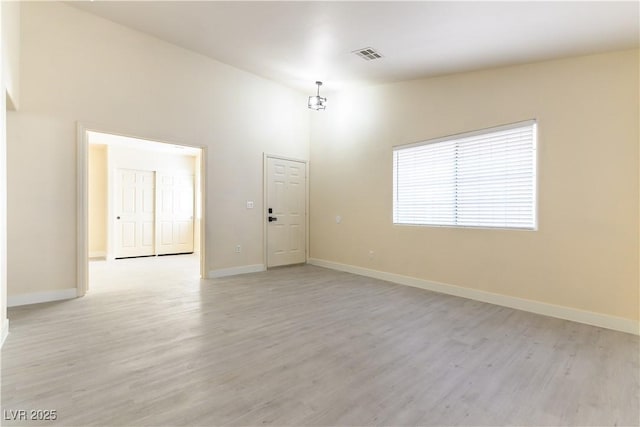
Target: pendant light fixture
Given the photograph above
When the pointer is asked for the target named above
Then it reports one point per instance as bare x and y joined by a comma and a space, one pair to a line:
317, 102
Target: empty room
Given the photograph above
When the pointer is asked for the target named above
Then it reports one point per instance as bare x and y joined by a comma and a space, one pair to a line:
332, 213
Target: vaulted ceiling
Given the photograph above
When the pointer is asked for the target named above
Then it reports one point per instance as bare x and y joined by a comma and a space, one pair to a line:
296, 43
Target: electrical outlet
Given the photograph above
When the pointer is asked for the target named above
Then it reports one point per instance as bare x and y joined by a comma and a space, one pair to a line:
238, 249
371, 253
249, 204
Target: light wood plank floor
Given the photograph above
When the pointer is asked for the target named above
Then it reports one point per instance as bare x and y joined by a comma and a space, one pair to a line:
305, 346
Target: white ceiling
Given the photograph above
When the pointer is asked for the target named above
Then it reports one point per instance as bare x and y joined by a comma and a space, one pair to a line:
296, 43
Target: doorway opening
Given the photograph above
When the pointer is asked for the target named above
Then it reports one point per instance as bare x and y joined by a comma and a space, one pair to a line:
141, 206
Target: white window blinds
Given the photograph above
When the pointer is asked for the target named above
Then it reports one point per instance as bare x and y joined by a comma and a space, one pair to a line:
478, 179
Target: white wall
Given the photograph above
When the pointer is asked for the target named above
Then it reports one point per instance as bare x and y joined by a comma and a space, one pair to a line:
584, 256
78, 67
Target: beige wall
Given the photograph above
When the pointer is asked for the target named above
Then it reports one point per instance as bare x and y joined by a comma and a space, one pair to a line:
3, 191
132, 158
11, 51
585, 253
9, 67
78, 67
97, 204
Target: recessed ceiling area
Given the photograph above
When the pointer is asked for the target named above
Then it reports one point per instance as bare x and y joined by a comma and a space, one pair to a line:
297, 43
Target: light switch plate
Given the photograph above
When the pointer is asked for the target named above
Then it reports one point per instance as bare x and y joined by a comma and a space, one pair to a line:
249, 204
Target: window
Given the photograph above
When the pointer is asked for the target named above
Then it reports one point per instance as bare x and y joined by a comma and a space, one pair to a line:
485, 178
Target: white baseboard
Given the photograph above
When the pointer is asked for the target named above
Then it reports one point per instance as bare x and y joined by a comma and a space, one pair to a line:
98, 254
552, 310
224, 272
38, 297
5, 331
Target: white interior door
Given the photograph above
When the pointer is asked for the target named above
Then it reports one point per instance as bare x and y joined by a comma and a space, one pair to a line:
135, 213
175, 213
286, 212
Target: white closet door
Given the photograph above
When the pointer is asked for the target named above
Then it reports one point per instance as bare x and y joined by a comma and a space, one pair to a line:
135, 213
175, 213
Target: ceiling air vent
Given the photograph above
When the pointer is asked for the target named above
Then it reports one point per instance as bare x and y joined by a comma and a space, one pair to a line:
367, 53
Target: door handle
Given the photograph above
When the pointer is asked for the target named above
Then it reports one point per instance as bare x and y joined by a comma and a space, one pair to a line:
272, 218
